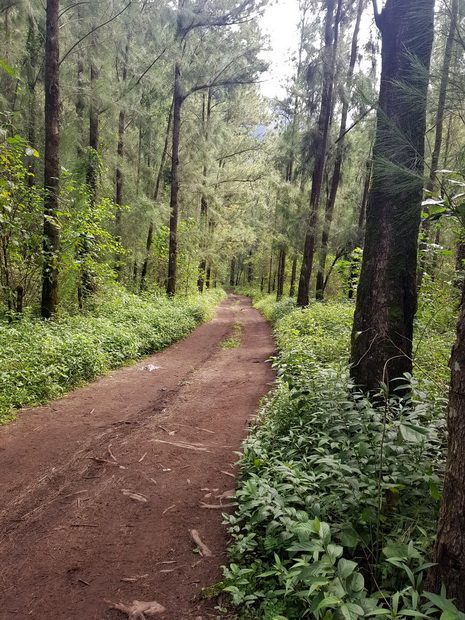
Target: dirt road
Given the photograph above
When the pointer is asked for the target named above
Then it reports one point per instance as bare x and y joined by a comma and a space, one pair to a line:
108, 495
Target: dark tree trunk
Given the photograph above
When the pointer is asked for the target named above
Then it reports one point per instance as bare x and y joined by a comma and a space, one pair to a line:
49, 304
336, 178
333, 15
201, 277
173, 238
270, 274
206, 114
156, 196
85, 284
119, 175
232, 274
281, 274
386, 299
449, 548
293, 276
208, 278
250, 268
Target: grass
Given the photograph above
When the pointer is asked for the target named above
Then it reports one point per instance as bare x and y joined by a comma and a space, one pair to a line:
234, 341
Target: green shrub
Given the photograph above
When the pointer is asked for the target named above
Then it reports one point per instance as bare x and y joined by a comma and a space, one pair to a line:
337, 502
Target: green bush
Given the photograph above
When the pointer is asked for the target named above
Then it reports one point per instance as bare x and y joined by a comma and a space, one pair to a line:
40, 360
337, 502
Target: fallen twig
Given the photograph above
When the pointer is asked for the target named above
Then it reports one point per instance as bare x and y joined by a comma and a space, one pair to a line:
187, 446
138, 609
203, 549
138, 497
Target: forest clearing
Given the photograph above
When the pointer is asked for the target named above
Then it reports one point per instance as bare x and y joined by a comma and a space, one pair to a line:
155, 153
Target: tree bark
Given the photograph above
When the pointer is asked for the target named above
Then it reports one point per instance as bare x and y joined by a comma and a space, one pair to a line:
449, 548
173, 238
206, 114
232, 274
51, 242
336, 178
281, 274
386, 299
333, 15
156, 195
293, 276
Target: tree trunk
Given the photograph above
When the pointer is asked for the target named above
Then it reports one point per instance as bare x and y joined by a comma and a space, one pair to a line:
31, 73
173, 238
119, 175
232, 274
449, 548
51, 242
156, 196
331, 202
321, 145
250, 268
206, 114
432, 181
281, 274
270, 274
386, 299
293, 276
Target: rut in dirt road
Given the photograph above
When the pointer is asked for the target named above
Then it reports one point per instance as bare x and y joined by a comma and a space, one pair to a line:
112, 494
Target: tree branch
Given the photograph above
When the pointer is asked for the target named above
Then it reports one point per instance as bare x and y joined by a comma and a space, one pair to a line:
355, 123
94, 30
376, 13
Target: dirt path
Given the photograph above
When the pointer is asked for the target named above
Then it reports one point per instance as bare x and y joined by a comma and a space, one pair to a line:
100, 490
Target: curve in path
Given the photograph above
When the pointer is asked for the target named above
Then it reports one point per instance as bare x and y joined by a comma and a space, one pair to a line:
109, 494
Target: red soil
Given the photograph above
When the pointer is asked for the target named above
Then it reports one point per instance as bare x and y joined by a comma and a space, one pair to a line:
101, 490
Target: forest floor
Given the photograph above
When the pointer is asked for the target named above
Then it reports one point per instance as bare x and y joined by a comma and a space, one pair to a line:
115, 493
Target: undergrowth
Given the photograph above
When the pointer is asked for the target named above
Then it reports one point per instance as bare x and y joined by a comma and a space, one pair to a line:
40, 360
337, 502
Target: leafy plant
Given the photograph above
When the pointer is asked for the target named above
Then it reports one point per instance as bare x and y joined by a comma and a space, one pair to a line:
337, 503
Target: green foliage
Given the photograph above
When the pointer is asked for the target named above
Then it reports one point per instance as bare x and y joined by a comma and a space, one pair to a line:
337, 504
273, 310
20, 219
40, 360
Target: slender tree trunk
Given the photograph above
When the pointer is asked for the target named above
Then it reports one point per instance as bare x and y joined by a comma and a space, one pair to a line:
31, 72
208, 278
270, 274
206, 114
281, 274
432, 180
250, 268
156, 196
386, 299
173, 239
51, 243
293, 276
336, 178
232, 274
119, 174
333, 15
